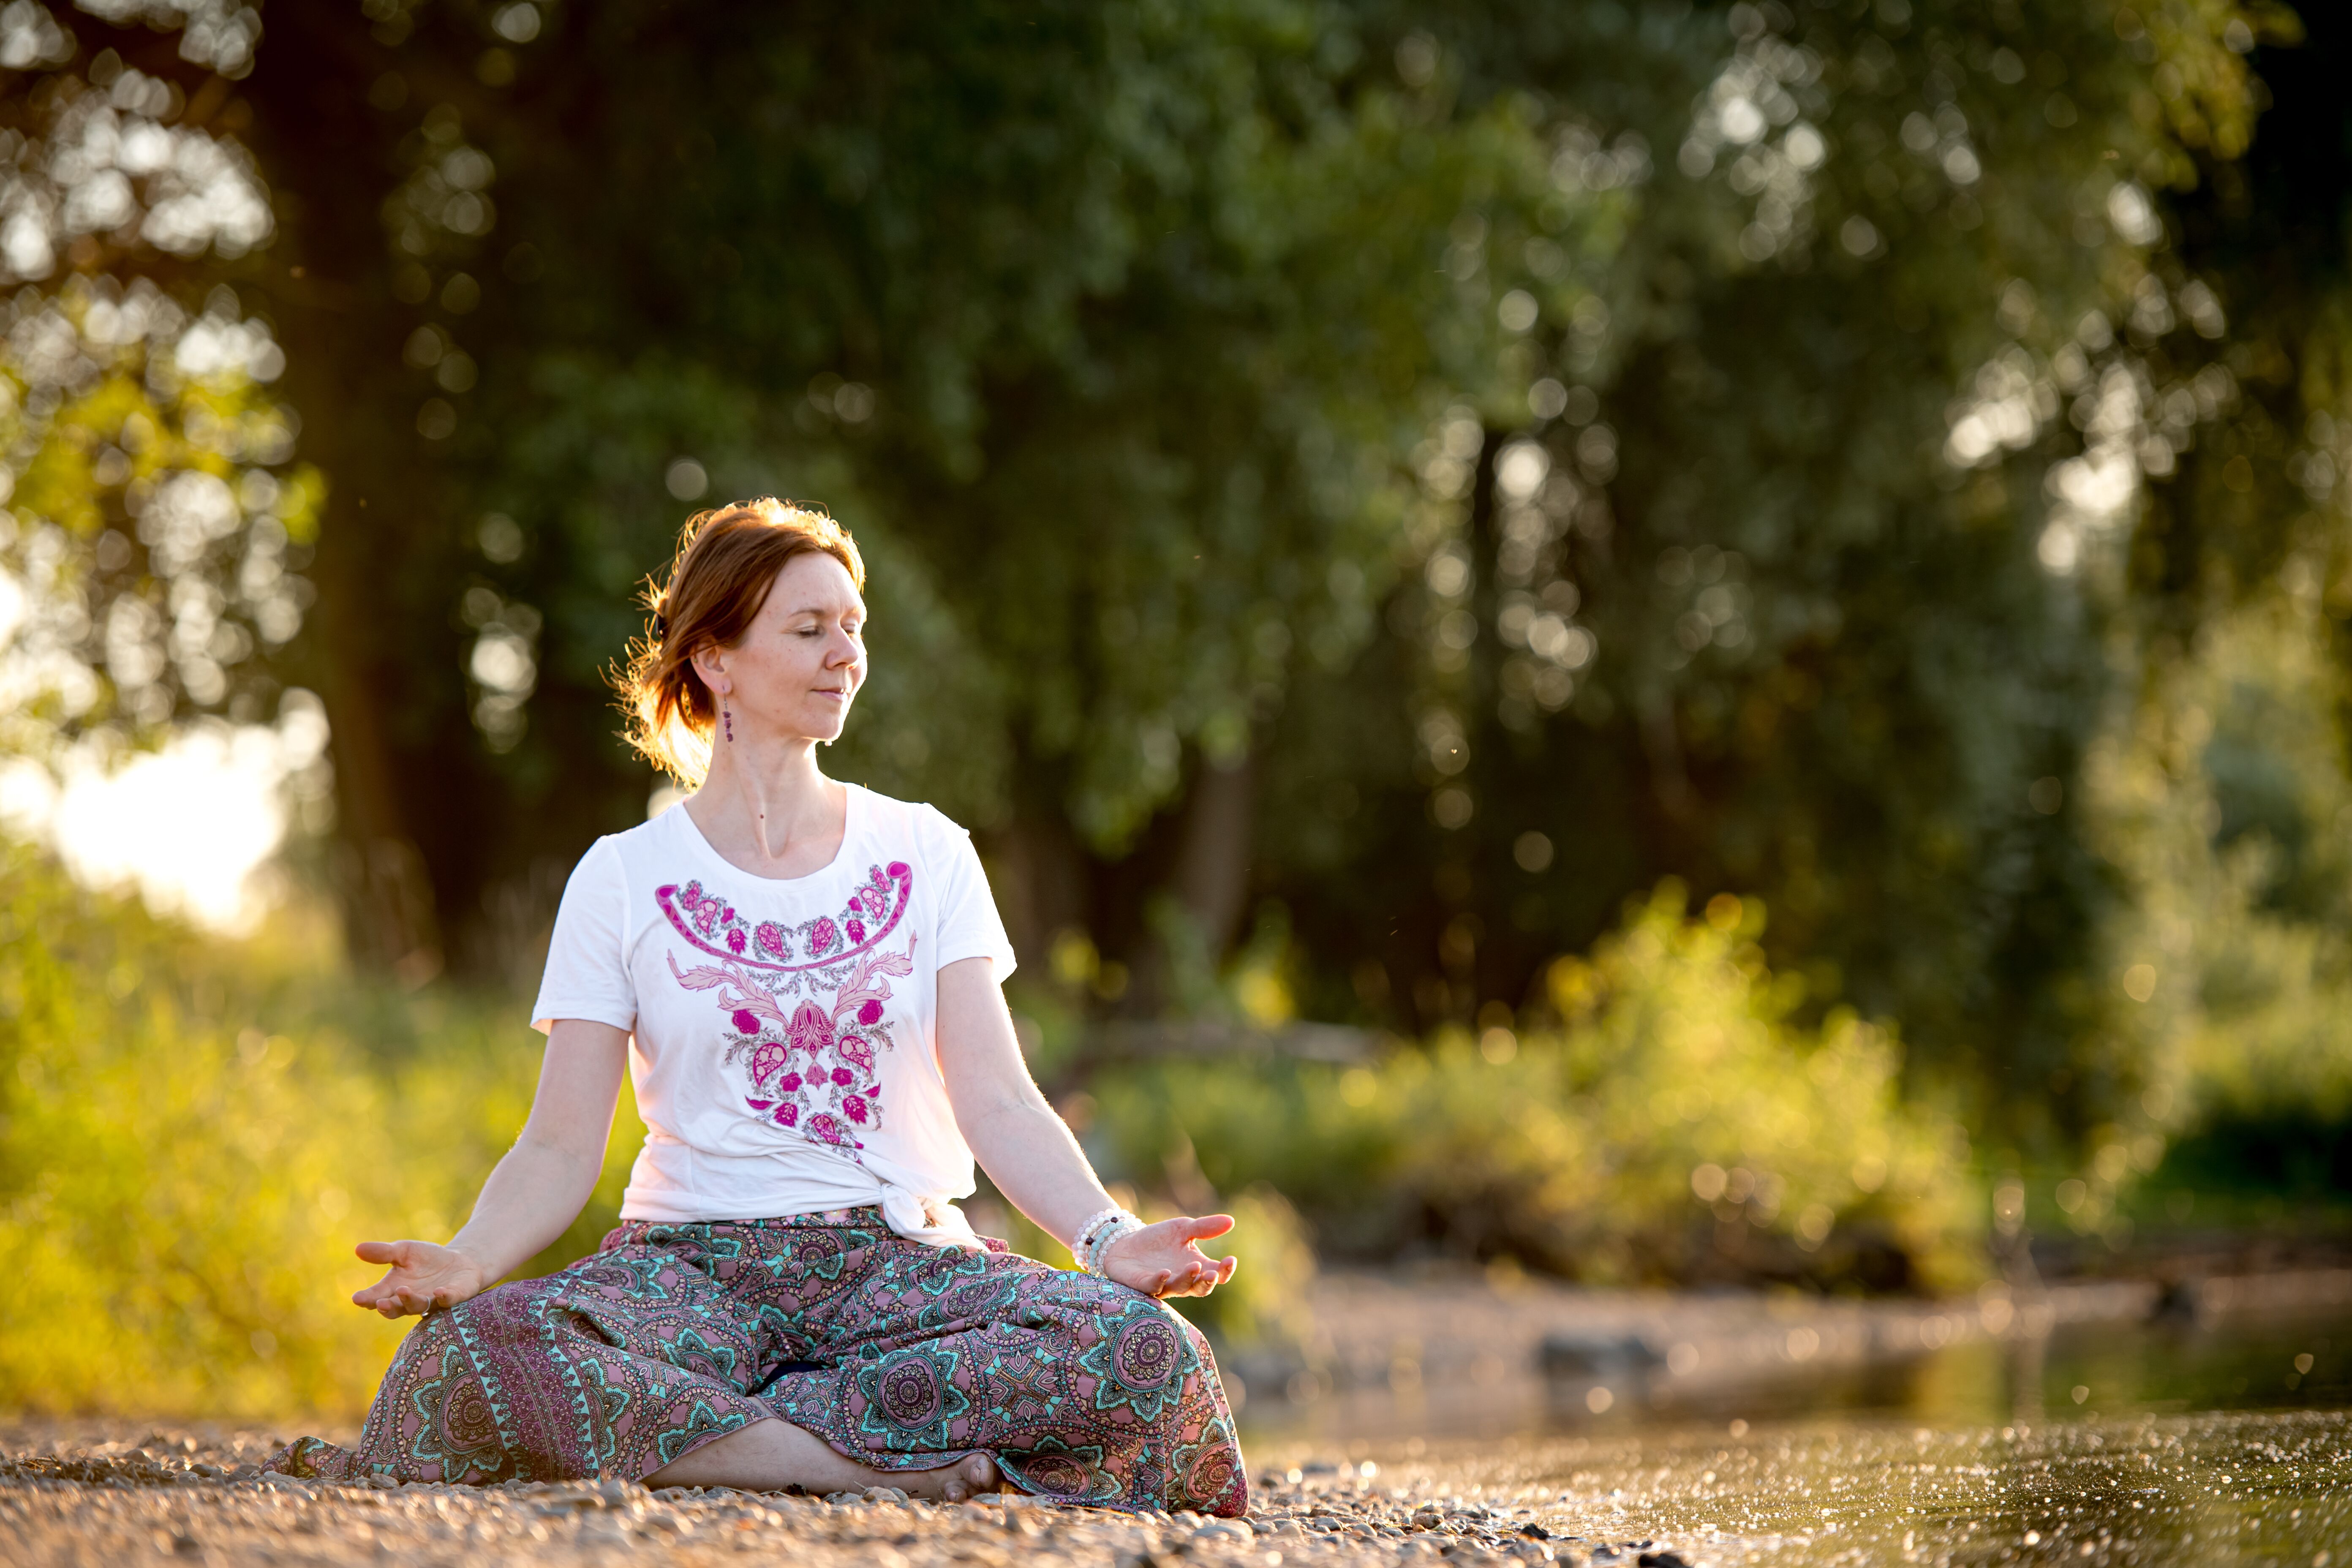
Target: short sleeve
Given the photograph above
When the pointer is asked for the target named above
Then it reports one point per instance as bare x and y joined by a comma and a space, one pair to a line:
587, 964
969, 926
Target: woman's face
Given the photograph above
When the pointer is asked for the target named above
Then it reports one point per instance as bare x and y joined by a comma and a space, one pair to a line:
800, 664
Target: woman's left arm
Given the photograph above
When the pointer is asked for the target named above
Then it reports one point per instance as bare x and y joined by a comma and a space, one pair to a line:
1028, 1152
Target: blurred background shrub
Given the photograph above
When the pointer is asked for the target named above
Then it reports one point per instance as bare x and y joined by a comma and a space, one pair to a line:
196, 1133
1668, 1122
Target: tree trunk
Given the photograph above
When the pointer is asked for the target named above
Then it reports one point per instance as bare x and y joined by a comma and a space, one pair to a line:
1212, 861
329, 158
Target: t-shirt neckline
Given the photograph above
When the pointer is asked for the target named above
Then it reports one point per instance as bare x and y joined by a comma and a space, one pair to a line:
852, 818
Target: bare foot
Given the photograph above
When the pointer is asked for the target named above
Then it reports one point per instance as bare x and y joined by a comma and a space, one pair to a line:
768, 1456
966, 1478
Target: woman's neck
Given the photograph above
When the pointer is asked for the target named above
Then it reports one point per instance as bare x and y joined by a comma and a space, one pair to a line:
767, 809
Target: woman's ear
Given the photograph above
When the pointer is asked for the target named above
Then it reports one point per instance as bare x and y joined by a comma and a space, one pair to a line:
709, 662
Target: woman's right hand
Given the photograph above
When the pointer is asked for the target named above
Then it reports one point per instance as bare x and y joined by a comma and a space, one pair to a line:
423, 1275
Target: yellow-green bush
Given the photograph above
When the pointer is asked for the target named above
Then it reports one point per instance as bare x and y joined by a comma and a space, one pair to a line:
196, 1133
1672, 1123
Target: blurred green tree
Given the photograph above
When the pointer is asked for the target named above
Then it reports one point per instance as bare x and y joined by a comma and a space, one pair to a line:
158, 522
1820, 563
1110, 330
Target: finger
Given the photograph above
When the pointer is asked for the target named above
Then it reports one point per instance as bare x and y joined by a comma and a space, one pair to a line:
379, 1251
1207, 1226
1226, 1270
377, 1293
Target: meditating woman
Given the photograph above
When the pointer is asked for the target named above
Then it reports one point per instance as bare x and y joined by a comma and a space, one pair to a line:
802, 977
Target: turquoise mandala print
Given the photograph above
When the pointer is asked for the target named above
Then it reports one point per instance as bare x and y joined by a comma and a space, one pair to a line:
902, 1356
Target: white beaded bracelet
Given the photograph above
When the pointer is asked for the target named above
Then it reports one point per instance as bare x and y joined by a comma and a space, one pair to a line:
1122, 1225
1084, 1235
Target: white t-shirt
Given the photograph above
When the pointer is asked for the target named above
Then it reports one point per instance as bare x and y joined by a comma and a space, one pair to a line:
785, 1056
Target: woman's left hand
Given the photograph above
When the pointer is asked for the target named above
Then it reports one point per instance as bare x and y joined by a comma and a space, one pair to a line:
1162, 1260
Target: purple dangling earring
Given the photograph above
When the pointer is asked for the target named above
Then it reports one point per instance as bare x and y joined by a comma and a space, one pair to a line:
726, 720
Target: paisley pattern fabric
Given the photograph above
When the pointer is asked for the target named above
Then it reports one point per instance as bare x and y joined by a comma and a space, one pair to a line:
902, 1356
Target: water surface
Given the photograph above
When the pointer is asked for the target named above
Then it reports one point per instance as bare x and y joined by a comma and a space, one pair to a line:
2096, 1443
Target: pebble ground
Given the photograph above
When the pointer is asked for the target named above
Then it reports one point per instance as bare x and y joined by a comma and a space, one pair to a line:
188, 1498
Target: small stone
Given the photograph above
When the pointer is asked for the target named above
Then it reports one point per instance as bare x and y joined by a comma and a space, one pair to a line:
886, 1494
1667, 1559
839, 1498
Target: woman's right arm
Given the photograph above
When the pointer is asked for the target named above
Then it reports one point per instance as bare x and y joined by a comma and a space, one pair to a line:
535, 1191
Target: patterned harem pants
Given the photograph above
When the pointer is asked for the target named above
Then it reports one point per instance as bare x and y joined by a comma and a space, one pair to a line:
901, 1355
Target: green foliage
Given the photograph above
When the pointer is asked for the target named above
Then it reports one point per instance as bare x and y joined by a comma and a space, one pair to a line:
1673, 1122
2226, 802
1766, 611
180, 1191
1135, 397
157, 509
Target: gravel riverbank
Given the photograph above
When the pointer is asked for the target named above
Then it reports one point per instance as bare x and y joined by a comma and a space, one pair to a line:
84, 1499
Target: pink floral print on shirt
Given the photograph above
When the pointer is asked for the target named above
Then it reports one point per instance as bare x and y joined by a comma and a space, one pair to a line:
872, 912
813, 1069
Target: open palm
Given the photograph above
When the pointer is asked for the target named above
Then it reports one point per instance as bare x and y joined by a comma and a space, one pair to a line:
1163, 1260
420, 1276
